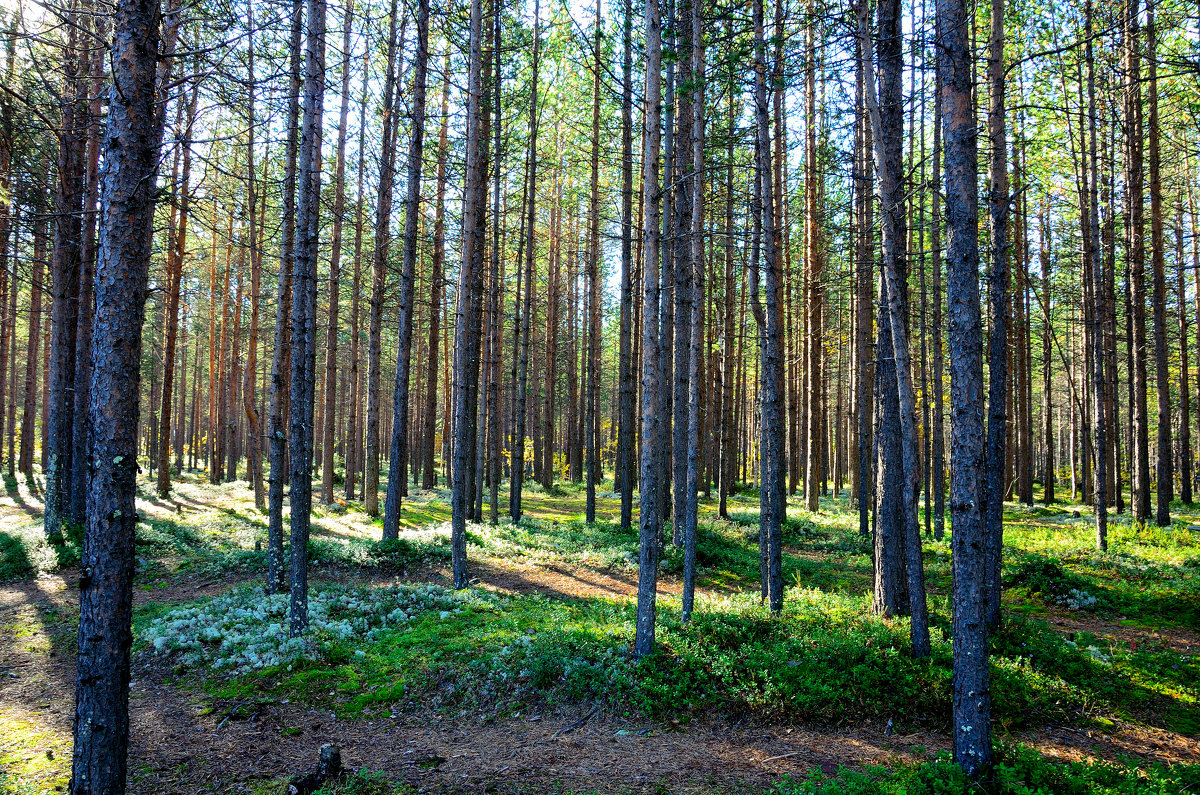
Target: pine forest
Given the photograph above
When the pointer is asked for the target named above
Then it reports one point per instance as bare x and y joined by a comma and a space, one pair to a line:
772, 397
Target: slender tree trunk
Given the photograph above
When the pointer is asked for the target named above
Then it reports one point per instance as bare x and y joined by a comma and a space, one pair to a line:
282, 351
329, 426
398, 460
651, 485
1097, 274
174, 279
30, 403
972, 681
774, 469
249, 397
814, 303
691, 506
354, 443
383, 237
517, 464
1137, 261
887, 122
864, 273
591, 420
64, 279
1185, 438
1048, 475
1162, 378
999, 202
304, 313
626, 432
466, 321
131, 151
437, 280
495, 318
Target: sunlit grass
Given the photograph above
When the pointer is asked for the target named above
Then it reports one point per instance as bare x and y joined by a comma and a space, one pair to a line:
33, 757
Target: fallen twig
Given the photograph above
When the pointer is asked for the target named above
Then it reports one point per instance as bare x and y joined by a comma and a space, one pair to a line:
781, 756
573, 726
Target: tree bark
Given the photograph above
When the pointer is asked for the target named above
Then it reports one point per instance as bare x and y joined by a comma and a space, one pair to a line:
398, 460
517, 463
972, 681
1164, 473
466, 321
772, 421
64, 279
650, 475
591, 420
304, 314
174, 278
626, 432
437, 286
329, 426
1137, 261
131, 150
999, 202
383, 237
282, 351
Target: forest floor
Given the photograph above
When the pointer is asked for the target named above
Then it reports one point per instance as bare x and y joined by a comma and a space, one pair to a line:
525, 683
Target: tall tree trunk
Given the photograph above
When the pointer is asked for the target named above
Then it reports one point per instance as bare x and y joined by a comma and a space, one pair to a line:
1048, 467
282, 351
864, 273
591, 421
495, 318
354, 442
517, 464
329, 426
249, 399
814, 300
1162, 376
999, 202
93, 64
1185, 438
174, 279
887, 122
891, 595
650, 475
772, 421
466, 321
437, 286
1137, 262
728, 457
304, 313
691, 506
64, 279
1097, 274
30, 404
398, 460
131, 151
939, 430
383, 239
972, 681
626, 432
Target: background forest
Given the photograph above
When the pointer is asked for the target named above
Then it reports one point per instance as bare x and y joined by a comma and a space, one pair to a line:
619, 396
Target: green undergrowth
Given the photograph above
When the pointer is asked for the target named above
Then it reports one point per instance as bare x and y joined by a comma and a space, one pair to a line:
358, 782
1018, 771
824, 658
1149, 574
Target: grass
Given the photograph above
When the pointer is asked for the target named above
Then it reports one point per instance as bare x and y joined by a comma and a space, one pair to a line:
1018, 771
33, 758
